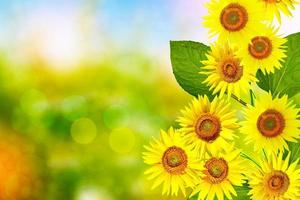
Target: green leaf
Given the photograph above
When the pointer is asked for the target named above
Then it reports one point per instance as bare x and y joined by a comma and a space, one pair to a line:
294, 150
194, 197
241, 191
287, 79
186, 57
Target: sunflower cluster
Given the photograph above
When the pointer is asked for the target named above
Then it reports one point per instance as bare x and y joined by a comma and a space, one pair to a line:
201, 157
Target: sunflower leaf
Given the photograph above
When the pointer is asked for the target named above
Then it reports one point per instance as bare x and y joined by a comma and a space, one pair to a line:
242, 194
294, 150
287, 79
186, 57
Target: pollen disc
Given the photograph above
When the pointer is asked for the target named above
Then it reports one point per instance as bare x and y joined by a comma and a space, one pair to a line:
260, 47
277, 182
216, 170
270, 123
231, 70
234, 17
175, 160
208, 127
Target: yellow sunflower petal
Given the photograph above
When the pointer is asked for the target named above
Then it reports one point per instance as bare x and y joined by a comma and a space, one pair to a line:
173, 163
264, 50
270, 125
211, 125
233, 20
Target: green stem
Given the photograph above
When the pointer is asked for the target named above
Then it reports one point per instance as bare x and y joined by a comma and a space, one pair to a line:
252, 97
239, 100
265, 154
249, 158
189, 196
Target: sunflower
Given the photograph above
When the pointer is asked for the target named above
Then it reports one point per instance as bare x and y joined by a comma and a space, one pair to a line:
274, 178
232, 19
208, 125
265, 50
221, 171
224, 71
173, 163
274, 8
271, 123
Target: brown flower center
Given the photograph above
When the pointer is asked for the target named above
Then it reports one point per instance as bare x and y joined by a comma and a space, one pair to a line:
208, 127
277, 182
216, 170
270, 123
175, 160
234, 17
231, 70
260, 47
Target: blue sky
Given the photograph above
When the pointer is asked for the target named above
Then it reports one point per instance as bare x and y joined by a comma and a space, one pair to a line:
145, 24
125, 21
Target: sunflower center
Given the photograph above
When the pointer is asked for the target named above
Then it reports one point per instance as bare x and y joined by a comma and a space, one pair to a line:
232, 71
216, 170
260, 47
270, 123
234, 17
174, 160
277, 182
208, 127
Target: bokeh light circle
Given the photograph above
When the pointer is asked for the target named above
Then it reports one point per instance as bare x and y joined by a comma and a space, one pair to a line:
92, 193
34, 102
74, 107
83, 131
115, 116
122, 140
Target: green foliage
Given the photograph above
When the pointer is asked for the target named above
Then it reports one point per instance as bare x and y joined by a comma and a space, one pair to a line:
186, 57
294, 150
241, 191
287, 79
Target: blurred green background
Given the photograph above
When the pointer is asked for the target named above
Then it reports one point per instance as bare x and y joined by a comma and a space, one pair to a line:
83, 86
